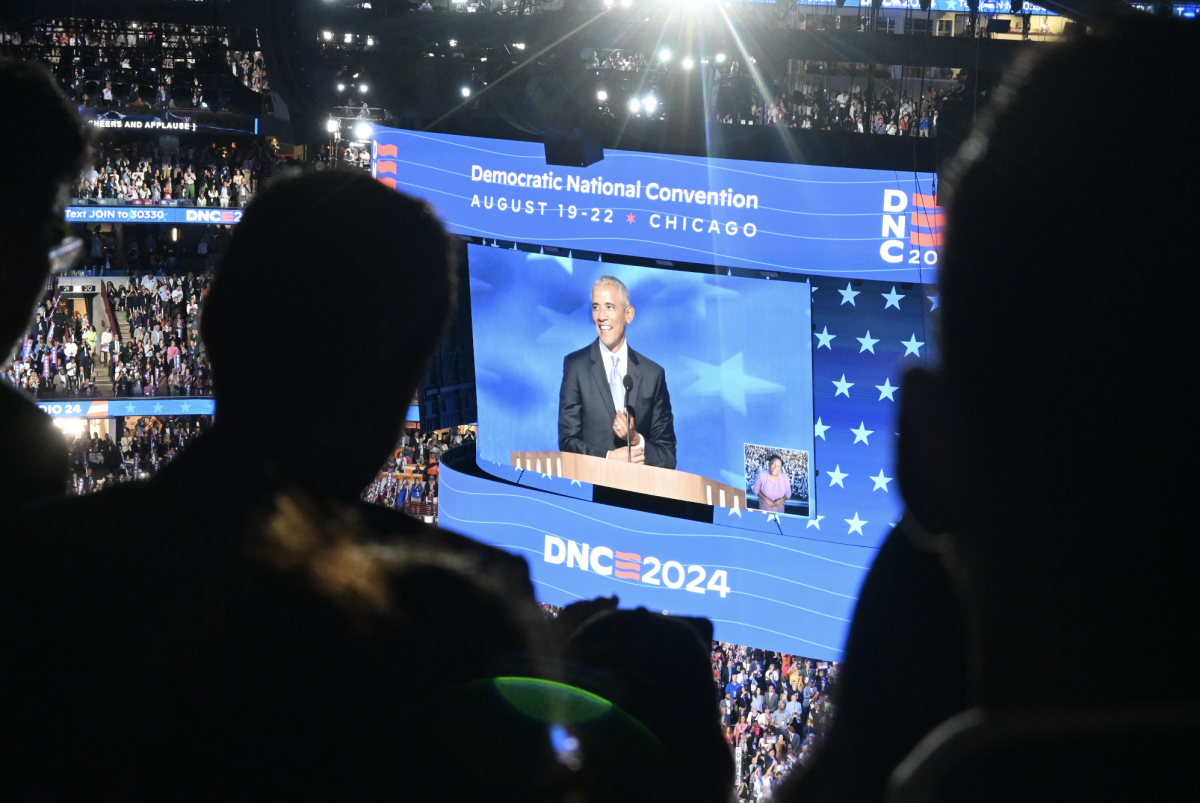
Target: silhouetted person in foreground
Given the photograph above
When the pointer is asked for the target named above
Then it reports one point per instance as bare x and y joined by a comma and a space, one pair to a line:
106, 598
656, 669
1043, 459
33, 455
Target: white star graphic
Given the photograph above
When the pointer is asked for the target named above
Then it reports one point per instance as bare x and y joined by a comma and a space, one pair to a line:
855, 524
860, 434
933, 299
880, 482
187, 408
823, 339
885, 390
549, 477
836, 476
728, 381
770, 516
158, 409
843, 386
580, 484
868, 343
912, 345
812, 522
732, 510
848, 295
129, 410
814, 289
893, 298
819, 428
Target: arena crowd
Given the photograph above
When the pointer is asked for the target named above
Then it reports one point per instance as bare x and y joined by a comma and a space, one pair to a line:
203, 174
163, 354
117, 64
775, 709
813, 105
409, 480
144, 445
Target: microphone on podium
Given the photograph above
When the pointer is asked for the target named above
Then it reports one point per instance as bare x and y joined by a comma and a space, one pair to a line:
628, 433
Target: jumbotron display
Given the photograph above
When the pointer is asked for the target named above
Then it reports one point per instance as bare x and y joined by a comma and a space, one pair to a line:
764, 362
719, 371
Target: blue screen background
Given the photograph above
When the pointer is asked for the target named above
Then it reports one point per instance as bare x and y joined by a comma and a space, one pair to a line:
737, 354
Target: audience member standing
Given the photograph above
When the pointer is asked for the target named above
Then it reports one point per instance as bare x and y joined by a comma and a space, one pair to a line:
32, 453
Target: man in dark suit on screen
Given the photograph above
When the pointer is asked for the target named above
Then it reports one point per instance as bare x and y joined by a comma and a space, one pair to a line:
591, 418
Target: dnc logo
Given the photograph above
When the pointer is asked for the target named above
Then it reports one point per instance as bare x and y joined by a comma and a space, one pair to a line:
608, 562
924, 228
227, 216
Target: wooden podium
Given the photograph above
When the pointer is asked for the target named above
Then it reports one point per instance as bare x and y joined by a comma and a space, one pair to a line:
635, 477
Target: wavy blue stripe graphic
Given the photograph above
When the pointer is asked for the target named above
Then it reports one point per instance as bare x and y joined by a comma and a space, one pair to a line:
646, 532
773, 577
636, 209
568, 593
711, 165
705, 565
652, 587
776, 632
790, 605
443, 140
709, 253
643, 210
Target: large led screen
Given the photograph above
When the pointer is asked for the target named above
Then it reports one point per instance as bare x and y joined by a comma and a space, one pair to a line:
807, 219
720, 368
805, 366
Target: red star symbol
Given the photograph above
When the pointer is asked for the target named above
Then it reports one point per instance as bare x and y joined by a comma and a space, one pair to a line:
629, 218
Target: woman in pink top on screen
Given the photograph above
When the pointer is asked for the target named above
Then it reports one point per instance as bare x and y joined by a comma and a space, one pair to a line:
772, 487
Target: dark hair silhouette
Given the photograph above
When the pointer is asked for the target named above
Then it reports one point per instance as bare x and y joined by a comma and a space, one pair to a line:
296, 234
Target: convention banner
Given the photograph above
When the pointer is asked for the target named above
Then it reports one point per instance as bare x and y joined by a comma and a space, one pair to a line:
819, 221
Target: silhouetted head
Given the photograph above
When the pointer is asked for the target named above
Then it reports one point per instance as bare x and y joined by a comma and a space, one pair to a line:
290, 682
366, 273
1038, 446
33, 188
658, 669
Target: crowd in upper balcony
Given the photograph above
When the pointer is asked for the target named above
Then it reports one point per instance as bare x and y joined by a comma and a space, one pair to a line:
814, 104
108, 63
203, 174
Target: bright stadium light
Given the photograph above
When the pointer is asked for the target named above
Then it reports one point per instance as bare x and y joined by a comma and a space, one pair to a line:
635, 105
650, 103
341, 87
363, 131
348, 38
453, 43
466, 92
327, 36
720, 58
519, 46
627, 3
331, 126
601, 96
362, 88
664, 55
687, 64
